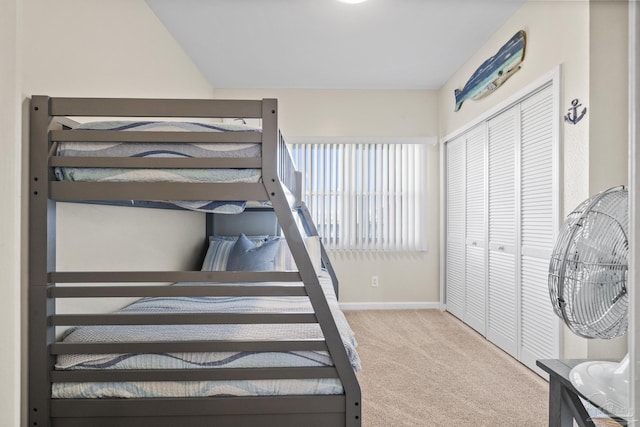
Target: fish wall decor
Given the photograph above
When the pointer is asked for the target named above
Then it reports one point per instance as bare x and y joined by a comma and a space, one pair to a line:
494, 71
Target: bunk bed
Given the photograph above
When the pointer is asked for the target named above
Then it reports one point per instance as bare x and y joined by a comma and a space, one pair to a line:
314, 330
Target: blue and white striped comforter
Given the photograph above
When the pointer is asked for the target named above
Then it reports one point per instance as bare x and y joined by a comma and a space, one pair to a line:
124, 149
208, 360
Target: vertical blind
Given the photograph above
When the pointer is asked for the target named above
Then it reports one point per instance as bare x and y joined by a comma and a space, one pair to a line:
365, 196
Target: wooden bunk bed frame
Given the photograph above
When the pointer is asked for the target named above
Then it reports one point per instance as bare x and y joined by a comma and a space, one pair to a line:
49, 123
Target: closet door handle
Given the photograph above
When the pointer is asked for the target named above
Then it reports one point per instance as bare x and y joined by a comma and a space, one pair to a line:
501, 248
474, 243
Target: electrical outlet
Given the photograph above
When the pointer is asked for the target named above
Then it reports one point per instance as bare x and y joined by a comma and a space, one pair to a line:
374, 281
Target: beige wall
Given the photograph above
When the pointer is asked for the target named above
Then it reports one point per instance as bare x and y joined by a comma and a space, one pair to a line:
608, 94
10, 214
609, 123
116, 48
403, 277
97, 48
588, 40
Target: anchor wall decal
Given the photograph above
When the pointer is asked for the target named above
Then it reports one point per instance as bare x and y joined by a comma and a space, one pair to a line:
572, 116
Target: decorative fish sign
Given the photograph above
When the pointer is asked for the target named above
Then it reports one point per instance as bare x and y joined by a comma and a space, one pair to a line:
494, 71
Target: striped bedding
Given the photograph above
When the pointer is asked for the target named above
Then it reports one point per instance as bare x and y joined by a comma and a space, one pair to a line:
207, 360
124, 149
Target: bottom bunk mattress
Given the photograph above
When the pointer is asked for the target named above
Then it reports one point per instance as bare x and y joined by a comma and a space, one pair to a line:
207, 360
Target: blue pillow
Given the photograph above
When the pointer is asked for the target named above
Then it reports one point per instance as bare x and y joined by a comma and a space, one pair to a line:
246, 256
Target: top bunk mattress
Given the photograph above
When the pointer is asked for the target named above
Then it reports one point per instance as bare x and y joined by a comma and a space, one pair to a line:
163, 150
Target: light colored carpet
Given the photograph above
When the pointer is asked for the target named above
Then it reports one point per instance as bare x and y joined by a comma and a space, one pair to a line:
426, 368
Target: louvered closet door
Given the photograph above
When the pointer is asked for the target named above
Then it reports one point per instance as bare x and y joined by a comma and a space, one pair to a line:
475, 289
539, 327
502, 284
455, 183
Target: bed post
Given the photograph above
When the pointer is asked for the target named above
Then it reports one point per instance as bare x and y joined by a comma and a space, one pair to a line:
209, 218
278, 198
42, 217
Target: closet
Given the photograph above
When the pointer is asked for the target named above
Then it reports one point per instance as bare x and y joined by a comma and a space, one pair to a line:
465, 228
502, 189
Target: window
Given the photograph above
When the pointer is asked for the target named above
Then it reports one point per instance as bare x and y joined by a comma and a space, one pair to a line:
365, 195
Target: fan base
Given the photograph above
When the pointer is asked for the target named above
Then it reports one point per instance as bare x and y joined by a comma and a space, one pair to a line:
606, 384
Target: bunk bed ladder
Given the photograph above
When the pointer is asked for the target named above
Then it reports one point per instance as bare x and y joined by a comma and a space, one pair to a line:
284, 213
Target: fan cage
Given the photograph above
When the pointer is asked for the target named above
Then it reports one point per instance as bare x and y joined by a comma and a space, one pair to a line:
588, 267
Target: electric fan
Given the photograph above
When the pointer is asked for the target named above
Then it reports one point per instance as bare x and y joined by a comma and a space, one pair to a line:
588, 290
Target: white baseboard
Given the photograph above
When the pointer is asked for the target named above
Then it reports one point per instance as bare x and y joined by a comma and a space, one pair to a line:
352, 306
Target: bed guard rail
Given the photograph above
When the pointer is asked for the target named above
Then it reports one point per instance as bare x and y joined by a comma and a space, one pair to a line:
50, 126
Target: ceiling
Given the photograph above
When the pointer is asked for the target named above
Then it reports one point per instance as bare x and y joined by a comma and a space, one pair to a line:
325, 44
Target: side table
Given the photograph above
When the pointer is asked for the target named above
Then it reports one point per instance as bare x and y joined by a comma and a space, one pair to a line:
564, 400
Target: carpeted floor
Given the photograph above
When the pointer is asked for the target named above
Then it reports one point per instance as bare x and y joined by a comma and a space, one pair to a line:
426, 368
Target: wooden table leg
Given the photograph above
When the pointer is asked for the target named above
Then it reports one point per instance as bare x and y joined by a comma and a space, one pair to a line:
572, 402
559, 413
